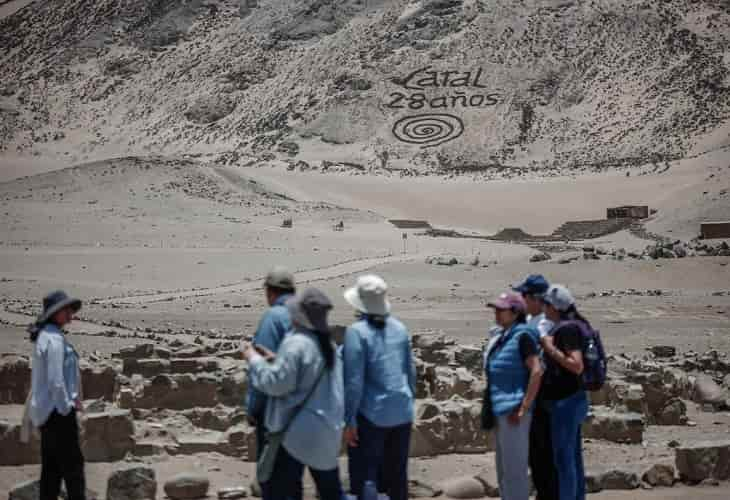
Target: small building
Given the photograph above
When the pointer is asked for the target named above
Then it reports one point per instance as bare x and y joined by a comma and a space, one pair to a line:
628, 212
715, 230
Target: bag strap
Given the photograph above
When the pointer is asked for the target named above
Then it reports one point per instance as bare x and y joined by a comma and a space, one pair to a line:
301, 406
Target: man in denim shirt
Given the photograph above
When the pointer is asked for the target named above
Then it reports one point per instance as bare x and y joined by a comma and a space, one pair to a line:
380, 386
275, 323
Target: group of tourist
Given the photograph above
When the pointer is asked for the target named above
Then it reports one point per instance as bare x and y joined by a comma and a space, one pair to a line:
307, 395
535, 399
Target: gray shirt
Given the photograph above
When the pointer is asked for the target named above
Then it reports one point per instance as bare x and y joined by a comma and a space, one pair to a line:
315, 435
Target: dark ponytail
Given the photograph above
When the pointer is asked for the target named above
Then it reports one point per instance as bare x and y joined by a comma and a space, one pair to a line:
34, 329
326, 348
375, 320
573, 314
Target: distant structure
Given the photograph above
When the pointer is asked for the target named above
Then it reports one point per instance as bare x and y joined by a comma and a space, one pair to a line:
410, 224
714, 230
287, 223
628, 212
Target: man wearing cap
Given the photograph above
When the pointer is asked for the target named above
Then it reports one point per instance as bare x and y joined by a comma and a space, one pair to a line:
542, 464
275, 323
532, 290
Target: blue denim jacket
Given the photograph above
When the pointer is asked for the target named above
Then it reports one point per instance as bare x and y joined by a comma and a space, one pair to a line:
55, 375
380, 374
270, 332
314, 437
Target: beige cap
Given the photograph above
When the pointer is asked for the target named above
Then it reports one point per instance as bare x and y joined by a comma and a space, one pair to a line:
280, 277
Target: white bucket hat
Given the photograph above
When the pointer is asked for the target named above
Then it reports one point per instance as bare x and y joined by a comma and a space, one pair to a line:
369, 295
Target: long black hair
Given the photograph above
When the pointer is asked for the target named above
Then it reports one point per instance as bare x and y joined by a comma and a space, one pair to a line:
326, 348
34, 329
375, 320
572, 314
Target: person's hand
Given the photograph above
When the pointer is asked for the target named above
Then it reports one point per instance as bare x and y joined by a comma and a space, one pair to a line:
264, 352
247, 350
515, 417
351, 437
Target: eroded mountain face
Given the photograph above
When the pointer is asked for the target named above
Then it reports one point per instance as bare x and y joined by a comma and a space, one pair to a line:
435, 85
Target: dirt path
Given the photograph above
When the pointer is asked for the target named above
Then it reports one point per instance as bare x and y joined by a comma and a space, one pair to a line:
320, 274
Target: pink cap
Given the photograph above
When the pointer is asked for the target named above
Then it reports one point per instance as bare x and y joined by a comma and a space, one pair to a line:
509, 300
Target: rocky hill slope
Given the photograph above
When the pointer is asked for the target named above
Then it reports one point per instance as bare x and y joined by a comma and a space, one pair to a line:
430, 85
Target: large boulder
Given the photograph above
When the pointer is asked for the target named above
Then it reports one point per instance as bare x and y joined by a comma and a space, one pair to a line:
704, 460
464, 488
674, 413
187, 486
135, 482
708, 392
108, 436
659, 475
619, 480
614, 426
14, 379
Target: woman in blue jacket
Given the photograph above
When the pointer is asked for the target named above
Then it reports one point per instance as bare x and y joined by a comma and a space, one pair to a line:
513, 372
380, 380
56, 397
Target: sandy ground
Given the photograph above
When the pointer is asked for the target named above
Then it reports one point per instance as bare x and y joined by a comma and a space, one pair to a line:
169, 244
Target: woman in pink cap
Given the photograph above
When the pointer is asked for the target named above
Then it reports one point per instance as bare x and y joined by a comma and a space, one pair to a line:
513, 372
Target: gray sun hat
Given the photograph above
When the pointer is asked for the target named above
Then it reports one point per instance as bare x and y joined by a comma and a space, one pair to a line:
280, 277
559, 297
310, 309
54, 302
369, 295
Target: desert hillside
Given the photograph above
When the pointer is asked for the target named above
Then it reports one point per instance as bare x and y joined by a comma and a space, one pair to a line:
428, 86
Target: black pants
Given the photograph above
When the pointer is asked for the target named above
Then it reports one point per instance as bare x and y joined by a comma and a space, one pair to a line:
542, 462
381, 457
61, 458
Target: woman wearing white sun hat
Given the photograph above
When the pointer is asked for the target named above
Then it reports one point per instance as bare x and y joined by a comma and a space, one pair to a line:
380, 387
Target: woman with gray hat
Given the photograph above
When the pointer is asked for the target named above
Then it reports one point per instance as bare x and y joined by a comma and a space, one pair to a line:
563, 392
380, 380
55, 398
305, 410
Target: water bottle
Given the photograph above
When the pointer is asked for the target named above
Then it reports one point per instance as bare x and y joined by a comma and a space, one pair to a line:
591, 351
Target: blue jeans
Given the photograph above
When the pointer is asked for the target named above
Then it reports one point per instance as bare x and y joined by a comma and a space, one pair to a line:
381, 457
285, 483
566, 418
